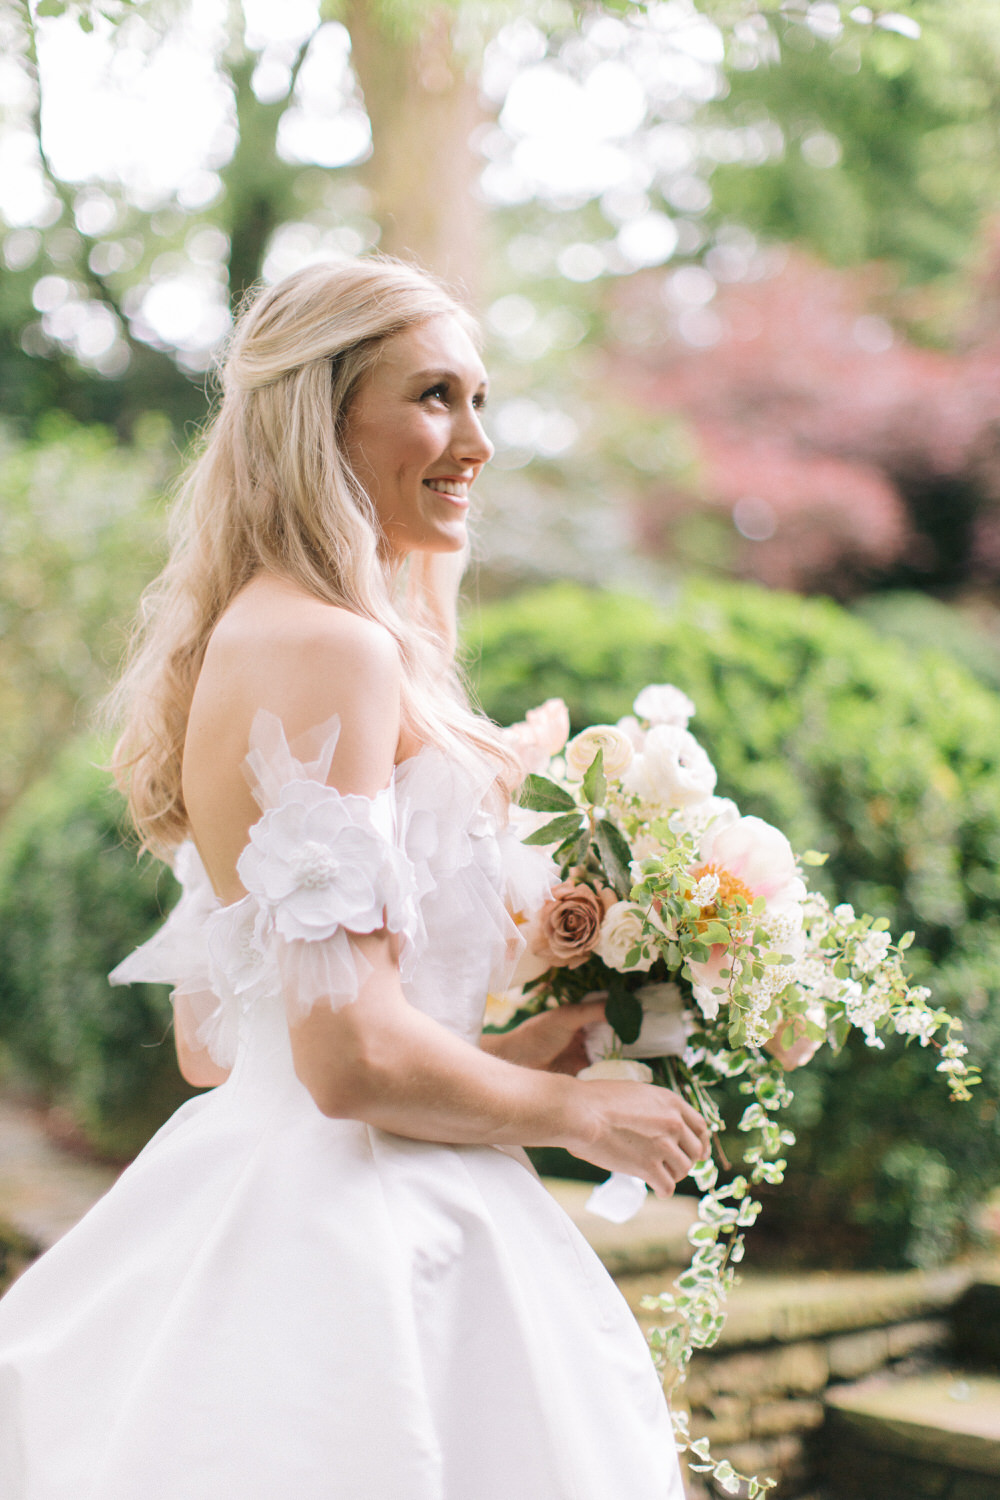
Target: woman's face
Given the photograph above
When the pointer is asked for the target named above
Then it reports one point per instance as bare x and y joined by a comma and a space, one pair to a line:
414, 438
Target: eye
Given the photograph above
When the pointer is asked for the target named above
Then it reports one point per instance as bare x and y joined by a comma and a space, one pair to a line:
479, 401
437, 392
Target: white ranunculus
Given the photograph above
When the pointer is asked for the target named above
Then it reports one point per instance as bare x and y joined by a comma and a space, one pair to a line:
583, 747
618, 1068
620, 931
633, 730
662, 703
672, 771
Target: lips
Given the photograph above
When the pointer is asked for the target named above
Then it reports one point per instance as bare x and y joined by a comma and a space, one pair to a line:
454, 489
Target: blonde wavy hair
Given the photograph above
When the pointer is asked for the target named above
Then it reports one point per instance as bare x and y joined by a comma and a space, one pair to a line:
271, 490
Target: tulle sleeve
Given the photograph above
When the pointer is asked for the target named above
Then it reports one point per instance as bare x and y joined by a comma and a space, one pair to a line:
178, 955
321, 864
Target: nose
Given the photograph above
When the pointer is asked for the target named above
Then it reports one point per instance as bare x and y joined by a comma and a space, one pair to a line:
471, 443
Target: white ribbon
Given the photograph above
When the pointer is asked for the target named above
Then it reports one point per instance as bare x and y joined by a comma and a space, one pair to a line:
618, 1199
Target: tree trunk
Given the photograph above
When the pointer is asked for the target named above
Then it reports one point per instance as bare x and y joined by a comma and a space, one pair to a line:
423, 104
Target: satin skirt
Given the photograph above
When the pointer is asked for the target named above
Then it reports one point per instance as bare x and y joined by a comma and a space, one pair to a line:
273, 1305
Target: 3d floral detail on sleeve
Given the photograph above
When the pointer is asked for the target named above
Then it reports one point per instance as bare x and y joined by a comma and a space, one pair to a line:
716, 962
319, 860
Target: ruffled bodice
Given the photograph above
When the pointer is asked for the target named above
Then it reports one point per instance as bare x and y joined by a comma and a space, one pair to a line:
424, 858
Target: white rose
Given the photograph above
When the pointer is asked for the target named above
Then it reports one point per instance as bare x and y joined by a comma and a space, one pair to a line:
618, 1068
672, 771
661, 703
581, 750
620, 931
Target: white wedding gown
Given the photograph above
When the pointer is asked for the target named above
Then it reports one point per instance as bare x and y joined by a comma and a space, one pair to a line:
274, 1305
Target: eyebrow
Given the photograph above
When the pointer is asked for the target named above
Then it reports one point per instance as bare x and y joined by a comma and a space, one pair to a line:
442, 374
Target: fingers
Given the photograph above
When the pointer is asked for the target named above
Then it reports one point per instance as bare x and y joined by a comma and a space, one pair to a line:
661, 1183
584, 1014
695, 1123
692, 1146
677, 1163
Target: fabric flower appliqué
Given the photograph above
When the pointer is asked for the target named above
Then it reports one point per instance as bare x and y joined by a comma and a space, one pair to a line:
322, 860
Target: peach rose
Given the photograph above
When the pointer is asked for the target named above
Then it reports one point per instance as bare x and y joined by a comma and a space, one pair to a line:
566, 928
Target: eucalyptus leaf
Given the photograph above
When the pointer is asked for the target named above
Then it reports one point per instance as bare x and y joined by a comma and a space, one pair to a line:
557, 830
539, 794
595, 783
574, 849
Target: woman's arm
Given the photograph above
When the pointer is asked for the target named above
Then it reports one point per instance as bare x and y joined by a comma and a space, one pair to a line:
195, 1064
380, 1060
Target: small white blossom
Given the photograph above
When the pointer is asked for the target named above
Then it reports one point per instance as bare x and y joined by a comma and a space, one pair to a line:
844, 912
914, 1021
705, 890
871, 951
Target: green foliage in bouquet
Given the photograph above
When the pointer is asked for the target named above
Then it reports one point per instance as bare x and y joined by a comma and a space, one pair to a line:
73, 902
883, 757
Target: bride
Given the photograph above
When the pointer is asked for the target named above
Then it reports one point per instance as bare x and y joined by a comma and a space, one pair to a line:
335, 1275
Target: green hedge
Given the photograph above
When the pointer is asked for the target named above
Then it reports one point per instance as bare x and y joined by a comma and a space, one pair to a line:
73, 902
887, 758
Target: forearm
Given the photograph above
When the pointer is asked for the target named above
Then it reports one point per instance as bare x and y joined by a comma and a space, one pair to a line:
382, 1061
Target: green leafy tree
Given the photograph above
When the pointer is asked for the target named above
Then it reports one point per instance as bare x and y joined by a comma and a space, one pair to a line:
81, 530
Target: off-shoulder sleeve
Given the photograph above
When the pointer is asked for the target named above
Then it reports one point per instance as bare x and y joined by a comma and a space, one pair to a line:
178, 954
321, 865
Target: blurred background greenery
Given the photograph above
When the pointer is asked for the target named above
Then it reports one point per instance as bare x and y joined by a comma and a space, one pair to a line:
738, 263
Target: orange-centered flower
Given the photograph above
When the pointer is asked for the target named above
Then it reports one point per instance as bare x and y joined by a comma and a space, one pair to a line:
730, 886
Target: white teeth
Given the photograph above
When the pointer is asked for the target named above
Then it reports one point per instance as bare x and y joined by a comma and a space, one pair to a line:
449, 487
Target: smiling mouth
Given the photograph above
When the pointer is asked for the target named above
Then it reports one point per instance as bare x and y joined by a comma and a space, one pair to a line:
454, 489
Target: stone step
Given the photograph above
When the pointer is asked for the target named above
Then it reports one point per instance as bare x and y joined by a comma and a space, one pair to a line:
935, 1434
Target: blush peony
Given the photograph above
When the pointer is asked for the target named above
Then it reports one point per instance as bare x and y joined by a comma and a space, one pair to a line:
750, 858
540, 735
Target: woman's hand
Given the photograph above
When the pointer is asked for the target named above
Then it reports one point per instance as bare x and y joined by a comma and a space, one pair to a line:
641, 1129
552, 1040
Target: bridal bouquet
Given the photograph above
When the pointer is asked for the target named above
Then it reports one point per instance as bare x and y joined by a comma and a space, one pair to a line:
716, 960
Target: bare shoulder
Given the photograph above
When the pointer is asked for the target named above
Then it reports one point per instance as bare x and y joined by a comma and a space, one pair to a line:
277, 648
274, 623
